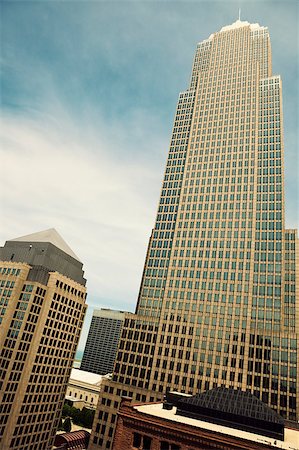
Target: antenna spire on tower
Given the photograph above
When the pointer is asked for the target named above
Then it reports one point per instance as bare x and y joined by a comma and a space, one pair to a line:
239, 13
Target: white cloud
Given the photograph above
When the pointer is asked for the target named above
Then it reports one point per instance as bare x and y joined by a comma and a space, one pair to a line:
91, 93
102, 205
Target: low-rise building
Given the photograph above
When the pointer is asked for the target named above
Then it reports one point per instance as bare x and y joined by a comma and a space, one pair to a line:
83, 389
73, 440
221, 418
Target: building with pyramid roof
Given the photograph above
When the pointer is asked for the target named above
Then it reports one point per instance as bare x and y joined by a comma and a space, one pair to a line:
218, 419
42, 307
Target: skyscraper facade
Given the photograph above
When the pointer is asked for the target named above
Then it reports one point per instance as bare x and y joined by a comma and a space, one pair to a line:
42, 298
102, 341
217, 302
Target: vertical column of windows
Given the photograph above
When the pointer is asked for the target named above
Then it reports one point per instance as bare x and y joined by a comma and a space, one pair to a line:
268, 270
289, 310
9, 381
156, 266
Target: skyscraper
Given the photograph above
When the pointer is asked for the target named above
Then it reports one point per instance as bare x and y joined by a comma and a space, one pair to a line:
42, 298
217, 302
102, 341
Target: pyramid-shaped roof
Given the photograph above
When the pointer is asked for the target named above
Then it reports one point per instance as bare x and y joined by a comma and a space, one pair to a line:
233, 401
51, 236
234, 408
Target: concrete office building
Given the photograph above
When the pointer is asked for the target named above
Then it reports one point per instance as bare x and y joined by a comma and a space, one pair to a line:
217, 302
102, 341
42, 296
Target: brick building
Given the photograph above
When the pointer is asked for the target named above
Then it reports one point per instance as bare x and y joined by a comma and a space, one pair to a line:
221, 418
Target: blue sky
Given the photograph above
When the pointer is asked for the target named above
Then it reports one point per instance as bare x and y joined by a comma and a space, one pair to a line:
88, 95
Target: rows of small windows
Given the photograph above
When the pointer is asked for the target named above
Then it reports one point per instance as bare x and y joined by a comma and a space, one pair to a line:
231, 103
49, 357
72, 319
135, 346
185, 106
61, 331
253, 382
138, 335
135, 358
91, 351
67, 306
55, 320
216, 307
10, 271
52, 346
110, 333
80, 396
110, 342
71, 289
219, 140
102, 429
231, 168
270, 268
219, 117
227, 316
210, 254
228, 103
27, 440
229, 47
137, 324
6, 283
204, 266
222, 86
201, 56
177, 283
19, 313
176, 141
204, 272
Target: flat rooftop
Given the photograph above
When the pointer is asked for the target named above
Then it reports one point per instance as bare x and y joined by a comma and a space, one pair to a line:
86, 377
291, 439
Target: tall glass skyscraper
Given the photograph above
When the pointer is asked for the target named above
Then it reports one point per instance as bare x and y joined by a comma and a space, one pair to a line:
217, 302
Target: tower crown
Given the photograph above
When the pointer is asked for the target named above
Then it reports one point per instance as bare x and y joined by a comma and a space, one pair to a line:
51, 236
242, 23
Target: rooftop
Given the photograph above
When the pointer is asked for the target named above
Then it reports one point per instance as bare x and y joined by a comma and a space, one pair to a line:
242, 23
239, 24
233, 407
51, 236
290, 442
86, 377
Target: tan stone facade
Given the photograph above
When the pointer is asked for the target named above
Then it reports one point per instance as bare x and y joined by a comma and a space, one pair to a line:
217, 302
39, 333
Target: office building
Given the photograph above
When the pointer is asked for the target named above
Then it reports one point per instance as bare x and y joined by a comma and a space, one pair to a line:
42, 310
217, 302
102, 341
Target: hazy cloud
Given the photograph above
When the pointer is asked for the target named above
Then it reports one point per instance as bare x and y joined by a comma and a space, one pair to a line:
88, 95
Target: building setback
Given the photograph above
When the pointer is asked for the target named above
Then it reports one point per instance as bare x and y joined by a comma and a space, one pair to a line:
42, 295
102, 341
217, 302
